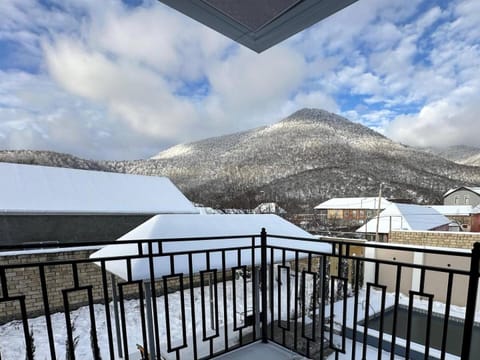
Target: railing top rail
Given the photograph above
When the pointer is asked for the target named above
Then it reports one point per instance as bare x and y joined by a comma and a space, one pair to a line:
389, 246
4, 248
329, 240
183, 253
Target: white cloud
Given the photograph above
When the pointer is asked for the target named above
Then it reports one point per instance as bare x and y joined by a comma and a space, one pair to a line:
149, 77
318, 99
136, 64
450, 121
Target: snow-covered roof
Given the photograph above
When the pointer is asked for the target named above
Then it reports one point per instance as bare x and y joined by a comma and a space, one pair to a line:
476, 210
453, 210
475, 189
369, 203
37, 189
205, 210
405, 217
269, 208
203, 226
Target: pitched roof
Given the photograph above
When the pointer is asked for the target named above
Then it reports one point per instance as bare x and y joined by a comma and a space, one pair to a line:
258, 24
369, 203
405, 217
36, 189
177, 227
475, 189
453, 210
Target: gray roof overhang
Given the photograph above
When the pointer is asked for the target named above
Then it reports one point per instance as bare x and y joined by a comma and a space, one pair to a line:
258, 24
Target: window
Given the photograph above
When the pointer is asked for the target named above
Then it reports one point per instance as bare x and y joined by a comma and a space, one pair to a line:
456, 200
467, 200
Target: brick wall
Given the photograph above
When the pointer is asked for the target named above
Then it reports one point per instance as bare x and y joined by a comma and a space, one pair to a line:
460, 240
26, 281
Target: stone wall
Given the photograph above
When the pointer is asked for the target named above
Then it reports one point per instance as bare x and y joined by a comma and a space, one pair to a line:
459, 240
25, 281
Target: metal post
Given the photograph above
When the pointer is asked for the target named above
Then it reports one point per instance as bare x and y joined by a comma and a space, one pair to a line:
115, 314
471, 302
211, 302
151, 337
377, 236
256, 304
264, 285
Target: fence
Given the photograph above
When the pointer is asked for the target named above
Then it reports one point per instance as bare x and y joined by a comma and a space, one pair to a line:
251, 288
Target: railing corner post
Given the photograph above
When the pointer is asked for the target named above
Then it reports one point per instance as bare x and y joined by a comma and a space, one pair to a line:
264, 318
471, 301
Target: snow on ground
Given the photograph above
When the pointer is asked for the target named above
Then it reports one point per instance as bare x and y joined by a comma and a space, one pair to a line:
12, 344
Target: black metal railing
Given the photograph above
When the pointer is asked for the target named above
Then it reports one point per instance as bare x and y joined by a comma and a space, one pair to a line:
318, 297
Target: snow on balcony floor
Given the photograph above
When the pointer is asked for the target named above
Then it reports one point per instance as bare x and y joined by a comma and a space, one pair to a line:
261, 350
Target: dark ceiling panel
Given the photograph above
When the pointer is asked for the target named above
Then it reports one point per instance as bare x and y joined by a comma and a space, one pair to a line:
254, 14
258, 24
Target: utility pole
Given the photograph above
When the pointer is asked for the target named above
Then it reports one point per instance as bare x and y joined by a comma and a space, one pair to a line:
377, 236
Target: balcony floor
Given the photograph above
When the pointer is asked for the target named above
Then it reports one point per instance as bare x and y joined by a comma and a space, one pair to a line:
259, 350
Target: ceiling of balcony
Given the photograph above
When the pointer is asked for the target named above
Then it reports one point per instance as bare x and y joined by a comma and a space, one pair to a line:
258, 24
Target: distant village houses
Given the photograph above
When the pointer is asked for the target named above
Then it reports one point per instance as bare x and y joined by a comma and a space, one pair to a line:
349, 212
404, 217
463, 195
460, 215
269, 208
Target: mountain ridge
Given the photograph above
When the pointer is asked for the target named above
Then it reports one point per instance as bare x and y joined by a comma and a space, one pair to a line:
461, 154
299, 161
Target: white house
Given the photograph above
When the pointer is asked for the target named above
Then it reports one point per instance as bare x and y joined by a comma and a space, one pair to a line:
464, 195
351, 211
269, 208
405, 217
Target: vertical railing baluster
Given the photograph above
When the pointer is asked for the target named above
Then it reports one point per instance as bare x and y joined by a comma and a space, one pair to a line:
108, 320
284, 255
124, 322
225, 307
46, 308
471, 302
355, 309
153, 294
192, 306
118, 330
3, 281
263, 274
93, 326
239, 263
271, 287
70, 350
446, 315
395, 311
323, 268
295, 329
26, 334
254, 290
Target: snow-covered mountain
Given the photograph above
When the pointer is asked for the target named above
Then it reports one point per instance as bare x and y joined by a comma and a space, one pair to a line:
467, 155
50, 158
306, 158
310, 156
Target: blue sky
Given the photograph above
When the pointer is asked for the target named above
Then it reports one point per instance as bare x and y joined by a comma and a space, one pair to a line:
125, 80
